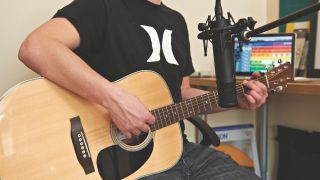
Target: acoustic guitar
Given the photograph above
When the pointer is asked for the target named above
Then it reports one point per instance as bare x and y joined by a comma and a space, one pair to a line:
47, 132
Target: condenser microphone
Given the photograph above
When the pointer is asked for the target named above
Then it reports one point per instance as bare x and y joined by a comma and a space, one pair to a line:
223, 58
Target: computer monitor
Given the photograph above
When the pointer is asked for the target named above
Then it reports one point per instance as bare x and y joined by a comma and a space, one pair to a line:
263, 52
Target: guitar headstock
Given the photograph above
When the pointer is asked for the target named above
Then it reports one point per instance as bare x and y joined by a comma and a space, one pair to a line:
279, 77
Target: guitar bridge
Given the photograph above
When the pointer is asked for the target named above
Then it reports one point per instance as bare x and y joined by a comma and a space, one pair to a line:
80, 145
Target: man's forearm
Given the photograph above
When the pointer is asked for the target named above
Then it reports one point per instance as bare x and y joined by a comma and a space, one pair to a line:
59, 64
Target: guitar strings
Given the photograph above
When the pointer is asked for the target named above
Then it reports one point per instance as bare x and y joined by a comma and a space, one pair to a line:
213, 94
200, 104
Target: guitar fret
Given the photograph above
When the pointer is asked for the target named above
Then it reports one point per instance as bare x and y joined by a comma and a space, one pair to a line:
171, 115
180, 106
158, 119
161, 119
208, 96
188, 112
204, 103
211, 99
177, 111
166, 114
185, 111
155, 125
196, 103
191, 104
163, 122
199, 99
216, 98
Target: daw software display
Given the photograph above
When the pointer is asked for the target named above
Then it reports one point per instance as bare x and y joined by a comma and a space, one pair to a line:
263, 52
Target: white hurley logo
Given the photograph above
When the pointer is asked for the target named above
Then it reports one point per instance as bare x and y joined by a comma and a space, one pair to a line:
166, 45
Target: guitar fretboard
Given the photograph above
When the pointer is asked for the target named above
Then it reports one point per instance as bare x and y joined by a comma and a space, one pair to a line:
173, 113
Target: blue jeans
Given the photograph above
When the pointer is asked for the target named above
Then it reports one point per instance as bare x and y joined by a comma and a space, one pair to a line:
200, 162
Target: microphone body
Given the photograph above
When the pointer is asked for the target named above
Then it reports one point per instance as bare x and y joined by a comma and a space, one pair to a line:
224, 63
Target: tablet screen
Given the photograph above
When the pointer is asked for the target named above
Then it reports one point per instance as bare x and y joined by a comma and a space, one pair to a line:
263, 52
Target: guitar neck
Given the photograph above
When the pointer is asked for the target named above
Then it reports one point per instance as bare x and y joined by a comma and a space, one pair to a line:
171, 114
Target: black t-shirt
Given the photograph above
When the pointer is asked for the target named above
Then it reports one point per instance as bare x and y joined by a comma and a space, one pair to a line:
119, 37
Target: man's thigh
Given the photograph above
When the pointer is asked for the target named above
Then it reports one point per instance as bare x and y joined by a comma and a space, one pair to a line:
201, 162
208, 163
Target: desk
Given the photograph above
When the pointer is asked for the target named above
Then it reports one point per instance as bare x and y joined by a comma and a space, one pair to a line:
302, 87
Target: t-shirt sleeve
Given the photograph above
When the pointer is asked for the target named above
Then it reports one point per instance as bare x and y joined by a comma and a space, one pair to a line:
189, 69
89, 19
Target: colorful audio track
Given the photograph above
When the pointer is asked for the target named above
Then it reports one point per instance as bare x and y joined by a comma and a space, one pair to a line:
263, 53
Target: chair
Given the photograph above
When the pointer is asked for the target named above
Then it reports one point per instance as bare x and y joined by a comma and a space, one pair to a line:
209, 136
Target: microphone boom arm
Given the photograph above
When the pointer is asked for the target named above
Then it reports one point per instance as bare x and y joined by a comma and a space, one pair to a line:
284, 20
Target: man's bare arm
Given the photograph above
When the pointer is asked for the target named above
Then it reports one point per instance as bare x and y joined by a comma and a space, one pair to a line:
48, 51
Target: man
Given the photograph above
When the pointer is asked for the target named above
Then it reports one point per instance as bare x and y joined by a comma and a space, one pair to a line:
90, 43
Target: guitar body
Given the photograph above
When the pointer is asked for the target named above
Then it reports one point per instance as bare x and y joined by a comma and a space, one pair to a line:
35, 132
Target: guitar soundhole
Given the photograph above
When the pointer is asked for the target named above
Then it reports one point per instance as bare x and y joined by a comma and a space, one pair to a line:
135, 143
135, 140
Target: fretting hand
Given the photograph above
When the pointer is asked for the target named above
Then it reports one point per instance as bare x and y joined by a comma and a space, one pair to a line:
257, 94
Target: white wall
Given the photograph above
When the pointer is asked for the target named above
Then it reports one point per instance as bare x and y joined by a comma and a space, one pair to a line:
18, 18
